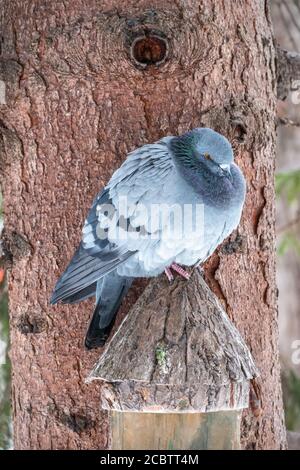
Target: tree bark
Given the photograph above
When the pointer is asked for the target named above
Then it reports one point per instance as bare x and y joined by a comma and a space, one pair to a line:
79, 97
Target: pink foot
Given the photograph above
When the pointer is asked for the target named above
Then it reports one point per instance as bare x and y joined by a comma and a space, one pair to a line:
180, 270
169, 274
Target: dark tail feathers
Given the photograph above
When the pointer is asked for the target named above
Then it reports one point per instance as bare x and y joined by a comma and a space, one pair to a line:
109, 294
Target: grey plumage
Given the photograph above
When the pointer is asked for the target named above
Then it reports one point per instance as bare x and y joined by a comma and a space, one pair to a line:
123, 239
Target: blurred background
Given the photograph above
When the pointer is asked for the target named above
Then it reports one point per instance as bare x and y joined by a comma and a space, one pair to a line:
286, 18
5, 408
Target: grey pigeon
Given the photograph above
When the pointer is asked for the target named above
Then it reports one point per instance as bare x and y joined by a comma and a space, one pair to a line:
170, 203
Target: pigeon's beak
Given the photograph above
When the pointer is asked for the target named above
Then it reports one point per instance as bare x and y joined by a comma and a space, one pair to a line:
226, 172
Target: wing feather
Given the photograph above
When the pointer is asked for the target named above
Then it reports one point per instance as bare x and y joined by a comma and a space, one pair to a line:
141, 179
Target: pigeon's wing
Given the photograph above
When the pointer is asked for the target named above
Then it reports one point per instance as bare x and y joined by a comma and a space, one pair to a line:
118, 221
141, 183
142, 172
144, 189
95, 257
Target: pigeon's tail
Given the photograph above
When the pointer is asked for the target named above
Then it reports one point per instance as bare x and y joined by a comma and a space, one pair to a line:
109, 294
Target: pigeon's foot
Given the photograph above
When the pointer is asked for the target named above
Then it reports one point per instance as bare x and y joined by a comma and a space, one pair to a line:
180, 270
169, 274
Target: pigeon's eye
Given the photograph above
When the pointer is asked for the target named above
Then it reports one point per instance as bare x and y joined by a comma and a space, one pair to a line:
207, 156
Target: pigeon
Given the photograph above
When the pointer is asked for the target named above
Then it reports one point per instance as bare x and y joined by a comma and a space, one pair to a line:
168, 206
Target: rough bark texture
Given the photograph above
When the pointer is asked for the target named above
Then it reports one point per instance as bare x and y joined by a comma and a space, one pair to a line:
76, 104
176, 351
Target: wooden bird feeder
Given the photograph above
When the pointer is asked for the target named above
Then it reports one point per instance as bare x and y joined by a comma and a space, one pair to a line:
177, 373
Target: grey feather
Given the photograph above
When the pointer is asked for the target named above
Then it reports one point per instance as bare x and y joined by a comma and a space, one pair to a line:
83, 294
83, 271
195, 169
110, 292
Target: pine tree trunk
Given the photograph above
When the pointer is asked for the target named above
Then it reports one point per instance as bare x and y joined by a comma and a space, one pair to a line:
79, 96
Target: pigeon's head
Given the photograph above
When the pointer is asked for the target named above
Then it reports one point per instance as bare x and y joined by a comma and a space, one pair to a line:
212, 146
205, 148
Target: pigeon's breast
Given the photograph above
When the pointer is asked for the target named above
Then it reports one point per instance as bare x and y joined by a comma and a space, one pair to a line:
195, 243
173, 223
176, 225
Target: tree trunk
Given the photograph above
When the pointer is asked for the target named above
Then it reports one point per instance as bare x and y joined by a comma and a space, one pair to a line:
80, 94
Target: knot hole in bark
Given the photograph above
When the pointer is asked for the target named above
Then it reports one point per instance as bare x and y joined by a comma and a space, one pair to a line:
149, 49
